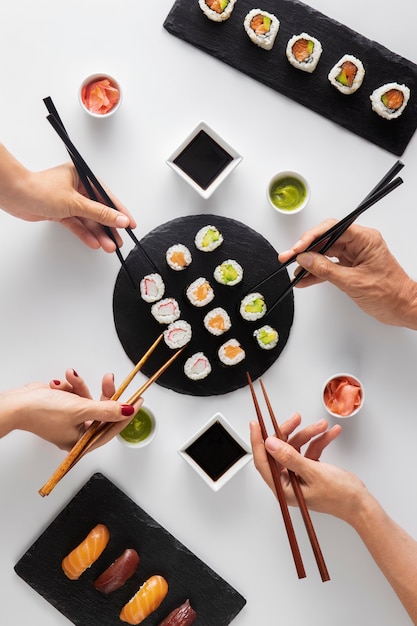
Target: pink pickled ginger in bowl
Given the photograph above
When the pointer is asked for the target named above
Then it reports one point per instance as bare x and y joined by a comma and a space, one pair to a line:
100, 95
343, 395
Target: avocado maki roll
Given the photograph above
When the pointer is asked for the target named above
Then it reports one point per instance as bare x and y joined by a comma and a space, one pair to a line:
390, 100
253, 307
228, 273
262, 28
208, 239
266, 337
347, 75
217, 10
303, 52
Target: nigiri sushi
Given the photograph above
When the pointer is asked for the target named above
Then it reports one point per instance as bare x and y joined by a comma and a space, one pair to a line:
183, 615
86, 553
145, 601
118, 572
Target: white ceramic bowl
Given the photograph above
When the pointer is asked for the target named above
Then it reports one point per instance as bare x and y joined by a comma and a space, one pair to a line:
204, 156
343, 376
149, 438
208, 449
94, 78
293, 183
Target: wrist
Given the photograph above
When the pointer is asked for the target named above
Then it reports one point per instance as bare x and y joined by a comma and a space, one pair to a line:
407, 304
8, 415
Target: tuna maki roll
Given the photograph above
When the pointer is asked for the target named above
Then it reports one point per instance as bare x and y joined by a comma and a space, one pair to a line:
262, 28
347, 75
303, 52
253, 307
231, 352
200, 292
390, 100
152, 288
178, 257
166, 311
197, 366
229, 273
217, 321
208, 239
178, 334
217, 10
266, 337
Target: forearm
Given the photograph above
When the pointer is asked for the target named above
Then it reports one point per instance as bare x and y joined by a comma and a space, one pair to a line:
13, 176
407, 304
7, 415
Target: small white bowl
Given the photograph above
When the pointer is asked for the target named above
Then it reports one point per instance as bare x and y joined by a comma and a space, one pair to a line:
94, 78
296, 191
204, 447
143, 442
353, 380
204, 160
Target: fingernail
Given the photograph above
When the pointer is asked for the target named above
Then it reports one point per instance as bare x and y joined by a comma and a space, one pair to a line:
75, 373
57, 382
272, 443
122, 221
127, 410
306, 259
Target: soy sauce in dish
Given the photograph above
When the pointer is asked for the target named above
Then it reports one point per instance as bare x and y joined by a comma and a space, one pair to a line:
215, 451
203, 159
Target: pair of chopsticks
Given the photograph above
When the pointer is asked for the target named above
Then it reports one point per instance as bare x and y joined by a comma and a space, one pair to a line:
97, 430
281, 496
91, 183
387, 184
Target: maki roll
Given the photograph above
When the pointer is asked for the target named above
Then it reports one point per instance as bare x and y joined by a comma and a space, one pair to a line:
347, 75
266, 337
261, 27
178, 334
304, 52
178, 257
208, 239
152, 288
229, 273
166, 311
200, 292
390, 100
217, 321
197, 366
231, 352
253, 307
217, 10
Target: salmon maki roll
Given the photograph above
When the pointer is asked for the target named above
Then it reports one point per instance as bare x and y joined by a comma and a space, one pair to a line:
145, 601
390, 100
86, 553
262, 28
347, 75
304, 52
217, 10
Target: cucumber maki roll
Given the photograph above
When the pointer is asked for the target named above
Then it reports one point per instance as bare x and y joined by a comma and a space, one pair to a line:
262, 28
347, 75
229, 273
217, 10
390, 100
303, 52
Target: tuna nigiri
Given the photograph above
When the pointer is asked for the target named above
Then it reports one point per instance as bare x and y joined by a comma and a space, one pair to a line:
183, 615
145, 601
118, 572
86, 553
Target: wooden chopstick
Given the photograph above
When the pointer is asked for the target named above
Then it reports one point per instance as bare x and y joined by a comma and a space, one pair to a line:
97, 430
280, 492
300, 499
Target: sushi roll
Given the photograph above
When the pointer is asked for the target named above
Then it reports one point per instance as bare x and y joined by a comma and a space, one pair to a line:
166, 311
229, 273
304, 52
217, 321
208, 239
253, 307
152, 288
261, 27
197, 366
347, 75
266, 337
178, 257
231, 352
178, 334
390, 100
217, 10
200, 292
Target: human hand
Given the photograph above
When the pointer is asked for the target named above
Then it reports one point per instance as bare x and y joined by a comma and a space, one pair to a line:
61, 411
365, 270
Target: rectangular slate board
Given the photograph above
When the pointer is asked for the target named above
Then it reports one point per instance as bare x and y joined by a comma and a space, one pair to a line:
228, 42
100, 501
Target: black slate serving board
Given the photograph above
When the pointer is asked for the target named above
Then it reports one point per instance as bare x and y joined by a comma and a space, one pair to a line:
137, 328
228, 42
100, 501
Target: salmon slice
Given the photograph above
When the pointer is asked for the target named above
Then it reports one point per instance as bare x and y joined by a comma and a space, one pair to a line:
179, 259
348, 71
232, 351
86, 553
214, 5
260, 25
145, 601
217, 322
302, 49
202, 291
393, 99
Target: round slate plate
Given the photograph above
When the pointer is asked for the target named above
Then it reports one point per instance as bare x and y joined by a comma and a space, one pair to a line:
137, 328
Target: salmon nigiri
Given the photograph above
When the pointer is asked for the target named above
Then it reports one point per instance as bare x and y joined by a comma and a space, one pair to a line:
145, 601
86, 553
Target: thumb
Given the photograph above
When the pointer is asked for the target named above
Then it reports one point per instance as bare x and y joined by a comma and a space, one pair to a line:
111, 411
98, 212
320, 266
286, 455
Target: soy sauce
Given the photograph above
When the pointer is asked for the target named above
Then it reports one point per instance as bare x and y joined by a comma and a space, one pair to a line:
203, 159
215, 451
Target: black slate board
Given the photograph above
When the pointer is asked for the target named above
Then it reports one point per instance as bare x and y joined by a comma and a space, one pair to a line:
137, 328
228, 42
100, 501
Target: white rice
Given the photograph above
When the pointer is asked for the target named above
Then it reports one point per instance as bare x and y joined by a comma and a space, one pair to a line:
266, 337
192, 292
253, 307
184, 251
208, 238
265, 41
178, 334
152, 288
229, 273
227, 360
218, 312
357, 81
213, 15
166, 311
309, 64
379, 107
197, 366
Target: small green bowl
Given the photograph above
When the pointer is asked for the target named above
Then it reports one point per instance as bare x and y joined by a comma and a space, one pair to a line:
140, 431
288, 192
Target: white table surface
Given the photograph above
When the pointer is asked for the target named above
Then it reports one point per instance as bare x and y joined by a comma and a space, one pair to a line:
56, 301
